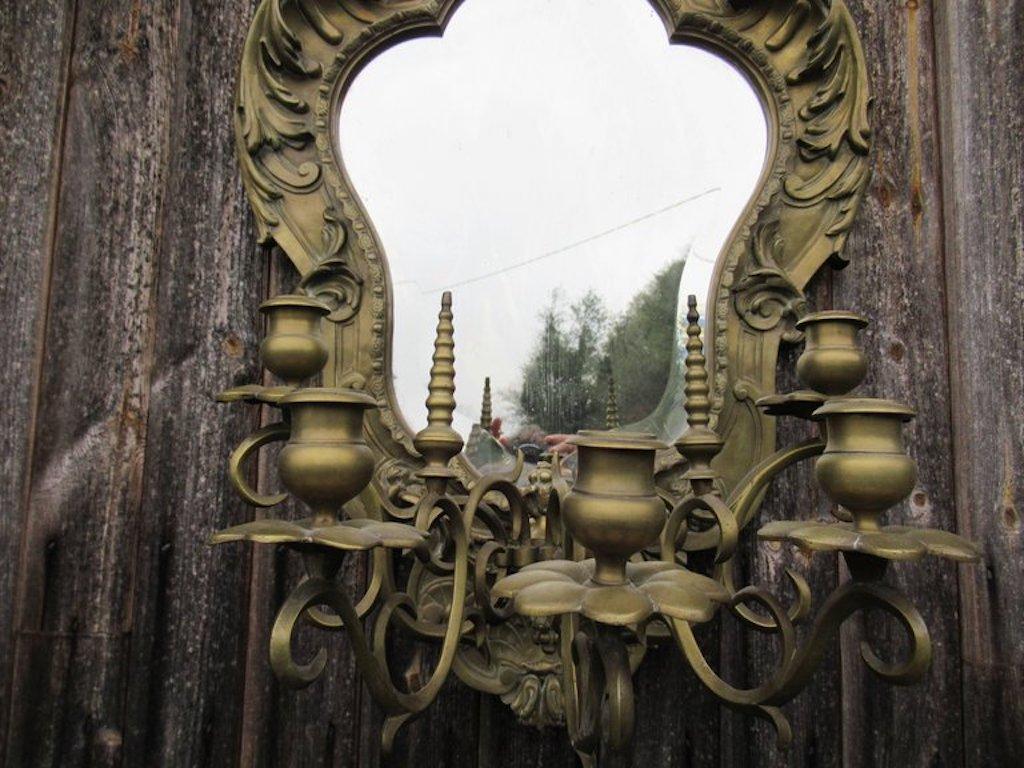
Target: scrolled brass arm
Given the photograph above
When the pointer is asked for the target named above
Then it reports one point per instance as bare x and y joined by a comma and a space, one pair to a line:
597, 679
744, 497
674, 534
844, 602
798, 664
756, 700
371, 659
272, 433
742, 502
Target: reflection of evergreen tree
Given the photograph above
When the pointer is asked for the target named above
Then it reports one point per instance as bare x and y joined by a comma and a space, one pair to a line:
561, 377
641, 343
565, 381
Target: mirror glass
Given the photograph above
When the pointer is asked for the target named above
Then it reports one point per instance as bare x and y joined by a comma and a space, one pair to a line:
571, 177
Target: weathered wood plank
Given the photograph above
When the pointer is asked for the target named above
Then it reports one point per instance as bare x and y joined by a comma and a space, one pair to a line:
75, 595
677, 719
506, 743
188, 623
35, 46
445, 735
895, 278
748, 656
981, 74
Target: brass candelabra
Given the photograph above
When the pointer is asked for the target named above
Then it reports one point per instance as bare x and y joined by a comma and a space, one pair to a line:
581, 574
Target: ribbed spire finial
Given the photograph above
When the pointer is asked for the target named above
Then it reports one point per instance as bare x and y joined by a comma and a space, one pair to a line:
698, 406
699, 444
438, 442
441, 400
486, 415
611, 411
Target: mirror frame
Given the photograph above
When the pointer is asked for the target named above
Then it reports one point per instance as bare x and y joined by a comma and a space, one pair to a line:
803, 58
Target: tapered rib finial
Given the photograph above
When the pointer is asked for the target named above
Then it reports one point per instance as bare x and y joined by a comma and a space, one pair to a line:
438, 442
611, 411
699, 444
486, 416
698, 406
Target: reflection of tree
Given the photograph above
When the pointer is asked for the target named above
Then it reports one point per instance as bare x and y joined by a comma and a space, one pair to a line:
565, 381
560, 379
641, 343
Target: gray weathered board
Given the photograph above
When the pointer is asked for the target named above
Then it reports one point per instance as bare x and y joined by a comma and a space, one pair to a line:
129, 281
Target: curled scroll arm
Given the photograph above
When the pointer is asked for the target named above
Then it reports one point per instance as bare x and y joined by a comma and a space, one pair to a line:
799, 664
371, 659
848, 599
728, 535
272, 433
597, 681
741, 501
743, 498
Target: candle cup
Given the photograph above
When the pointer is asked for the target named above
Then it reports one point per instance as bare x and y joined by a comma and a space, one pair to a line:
832, 362
326, 462
614, 509
294, 349
865, 467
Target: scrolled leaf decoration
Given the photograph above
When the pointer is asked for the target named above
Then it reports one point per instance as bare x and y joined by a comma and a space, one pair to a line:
836, 125
335, 283
271, 114
766, 295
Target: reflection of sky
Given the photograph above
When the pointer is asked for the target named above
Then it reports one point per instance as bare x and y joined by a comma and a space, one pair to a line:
534, 125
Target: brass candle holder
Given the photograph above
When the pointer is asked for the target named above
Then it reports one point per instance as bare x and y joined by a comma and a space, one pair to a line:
865, 466
488, 562
833, 362
326, 462
294, 348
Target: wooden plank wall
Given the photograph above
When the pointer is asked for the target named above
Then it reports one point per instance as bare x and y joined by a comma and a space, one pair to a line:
129, 286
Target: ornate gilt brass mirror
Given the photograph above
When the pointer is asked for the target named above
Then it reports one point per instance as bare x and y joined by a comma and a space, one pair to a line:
540, 582
810, 83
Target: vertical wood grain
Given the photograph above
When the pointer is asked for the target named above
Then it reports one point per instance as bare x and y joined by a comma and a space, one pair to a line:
446, 734
35, 46
677, 719
74, 599
189, 602
896, 279
750, 657
981, 74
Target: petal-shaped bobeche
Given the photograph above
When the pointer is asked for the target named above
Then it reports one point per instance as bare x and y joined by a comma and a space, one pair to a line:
254, 394
888, 543
801, 404
347, 535
563, 586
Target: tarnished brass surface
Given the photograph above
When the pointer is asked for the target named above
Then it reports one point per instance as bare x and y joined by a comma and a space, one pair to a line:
865, 467
613, 509
326, 463
294, 348
563, 586
832, 363
545, 592
485, 567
